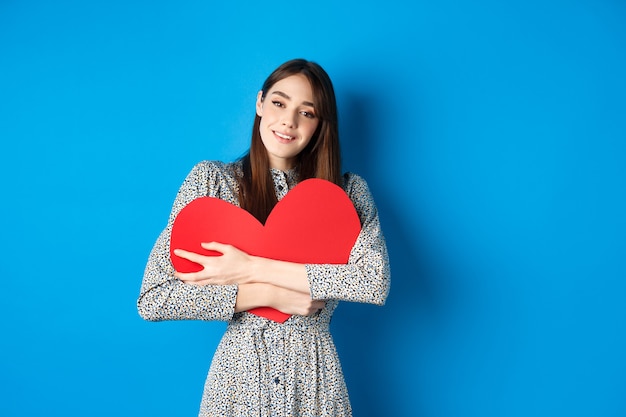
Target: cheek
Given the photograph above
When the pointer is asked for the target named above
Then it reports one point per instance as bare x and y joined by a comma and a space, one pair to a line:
266, 120
312, 128
269, 111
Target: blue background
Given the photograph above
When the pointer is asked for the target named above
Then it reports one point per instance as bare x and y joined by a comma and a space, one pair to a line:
492, 134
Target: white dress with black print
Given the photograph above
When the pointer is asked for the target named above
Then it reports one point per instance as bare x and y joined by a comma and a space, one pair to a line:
263, 368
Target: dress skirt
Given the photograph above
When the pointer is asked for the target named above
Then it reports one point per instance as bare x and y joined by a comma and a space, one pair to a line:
267, 369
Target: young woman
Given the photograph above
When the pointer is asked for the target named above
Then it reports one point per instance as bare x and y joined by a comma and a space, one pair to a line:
261, 367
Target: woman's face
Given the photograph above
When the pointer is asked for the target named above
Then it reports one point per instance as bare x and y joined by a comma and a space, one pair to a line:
288, 120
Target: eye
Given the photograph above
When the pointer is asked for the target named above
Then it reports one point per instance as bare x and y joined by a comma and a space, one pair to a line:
277, 103
307, 114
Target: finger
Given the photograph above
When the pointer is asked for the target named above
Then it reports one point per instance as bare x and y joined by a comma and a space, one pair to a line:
192, 256
216, 246
199, 283
318, 305
189, 277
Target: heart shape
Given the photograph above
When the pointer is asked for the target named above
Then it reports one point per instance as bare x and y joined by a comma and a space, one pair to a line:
315, 223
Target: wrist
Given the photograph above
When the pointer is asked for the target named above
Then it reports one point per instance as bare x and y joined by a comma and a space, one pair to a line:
251, 296
255, 272
263, 294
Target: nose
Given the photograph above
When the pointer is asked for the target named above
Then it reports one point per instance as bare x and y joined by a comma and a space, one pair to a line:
289, 119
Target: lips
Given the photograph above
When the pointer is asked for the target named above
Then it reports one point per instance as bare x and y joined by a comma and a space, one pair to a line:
283, 136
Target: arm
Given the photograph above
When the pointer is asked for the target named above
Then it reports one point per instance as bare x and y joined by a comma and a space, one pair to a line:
364, 279
237, 267
168, 295
165, 297
261, 295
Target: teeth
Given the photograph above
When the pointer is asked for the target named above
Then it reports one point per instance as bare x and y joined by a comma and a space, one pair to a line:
280, 135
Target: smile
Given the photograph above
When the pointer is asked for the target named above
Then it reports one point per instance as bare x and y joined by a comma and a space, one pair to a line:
283, 136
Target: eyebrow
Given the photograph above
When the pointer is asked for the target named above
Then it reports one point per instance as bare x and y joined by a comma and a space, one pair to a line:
280, 93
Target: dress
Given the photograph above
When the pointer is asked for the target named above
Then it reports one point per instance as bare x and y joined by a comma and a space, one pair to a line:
262, 368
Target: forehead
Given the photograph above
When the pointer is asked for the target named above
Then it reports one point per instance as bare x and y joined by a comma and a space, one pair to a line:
296, 88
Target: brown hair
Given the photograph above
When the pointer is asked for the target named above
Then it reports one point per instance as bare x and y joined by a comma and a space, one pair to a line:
320, 159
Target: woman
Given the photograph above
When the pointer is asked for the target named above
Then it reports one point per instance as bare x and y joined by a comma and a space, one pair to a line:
261, 367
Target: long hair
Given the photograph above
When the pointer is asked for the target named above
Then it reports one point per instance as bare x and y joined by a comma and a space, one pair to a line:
321, 158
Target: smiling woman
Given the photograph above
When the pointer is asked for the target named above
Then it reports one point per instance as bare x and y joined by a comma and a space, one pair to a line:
288, 121
265, 367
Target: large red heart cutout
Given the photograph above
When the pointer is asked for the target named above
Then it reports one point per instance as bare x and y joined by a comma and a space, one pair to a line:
315, 223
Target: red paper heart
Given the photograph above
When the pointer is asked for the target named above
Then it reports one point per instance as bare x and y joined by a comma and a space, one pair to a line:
315, 223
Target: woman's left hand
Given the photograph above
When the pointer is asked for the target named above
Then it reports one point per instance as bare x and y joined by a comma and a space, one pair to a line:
232, 267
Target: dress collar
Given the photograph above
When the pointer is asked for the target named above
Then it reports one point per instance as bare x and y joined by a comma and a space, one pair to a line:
291, 175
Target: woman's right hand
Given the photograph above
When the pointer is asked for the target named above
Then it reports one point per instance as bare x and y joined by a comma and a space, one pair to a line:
295, 302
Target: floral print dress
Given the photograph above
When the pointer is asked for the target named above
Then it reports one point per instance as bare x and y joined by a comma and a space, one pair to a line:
263, 368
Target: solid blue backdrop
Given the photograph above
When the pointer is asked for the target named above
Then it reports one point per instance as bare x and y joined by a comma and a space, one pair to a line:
492, 136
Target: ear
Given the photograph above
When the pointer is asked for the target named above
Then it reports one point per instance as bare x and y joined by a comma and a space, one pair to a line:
259, 104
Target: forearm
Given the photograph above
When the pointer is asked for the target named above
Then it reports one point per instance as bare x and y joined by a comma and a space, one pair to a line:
287, 275
163, 297
366, 277
349, 283
175, 300
251, 296
254, 295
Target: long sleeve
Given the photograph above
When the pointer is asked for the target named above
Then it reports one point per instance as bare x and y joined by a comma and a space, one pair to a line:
162, 295
366, 276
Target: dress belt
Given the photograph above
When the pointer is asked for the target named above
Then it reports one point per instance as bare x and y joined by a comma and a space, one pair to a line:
316, 323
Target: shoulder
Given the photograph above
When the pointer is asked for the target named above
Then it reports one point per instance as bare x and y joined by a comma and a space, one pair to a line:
215, 170
357, 189
215, 167
207, 176
215, 179
354, 184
